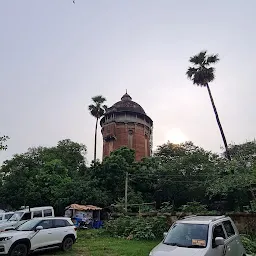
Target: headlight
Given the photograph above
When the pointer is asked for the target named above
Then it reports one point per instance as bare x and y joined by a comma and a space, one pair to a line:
6, 238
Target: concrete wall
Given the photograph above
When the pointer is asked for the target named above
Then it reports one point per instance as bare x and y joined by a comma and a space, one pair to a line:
245, 222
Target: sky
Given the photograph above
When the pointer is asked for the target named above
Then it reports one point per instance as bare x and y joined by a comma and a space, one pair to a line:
56, 55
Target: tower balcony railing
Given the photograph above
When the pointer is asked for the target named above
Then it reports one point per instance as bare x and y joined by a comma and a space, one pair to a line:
127, 119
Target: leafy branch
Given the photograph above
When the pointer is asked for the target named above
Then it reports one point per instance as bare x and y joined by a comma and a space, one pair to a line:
3, 139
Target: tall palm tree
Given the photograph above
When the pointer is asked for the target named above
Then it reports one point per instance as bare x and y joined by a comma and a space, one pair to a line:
202, 74
97, 110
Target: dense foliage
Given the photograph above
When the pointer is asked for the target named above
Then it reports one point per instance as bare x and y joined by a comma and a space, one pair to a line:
138, 228
249, 243
178, 177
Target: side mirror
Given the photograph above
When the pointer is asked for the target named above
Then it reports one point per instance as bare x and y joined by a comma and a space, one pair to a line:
165, 234
38, 228
219, 241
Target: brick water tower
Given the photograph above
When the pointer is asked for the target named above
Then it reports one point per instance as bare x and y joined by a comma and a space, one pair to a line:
126, 124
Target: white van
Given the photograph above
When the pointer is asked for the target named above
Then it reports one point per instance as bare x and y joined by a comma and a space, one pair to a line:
4, 216
23, 215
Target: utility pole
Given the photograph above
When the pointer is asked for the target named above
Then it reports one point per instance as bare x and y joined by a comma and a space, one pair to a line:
126, 192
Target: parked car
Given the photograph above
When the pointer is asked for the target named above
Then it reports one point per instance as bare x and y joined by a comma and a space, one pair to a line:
5, 216
23, 215
38, 234
201, 236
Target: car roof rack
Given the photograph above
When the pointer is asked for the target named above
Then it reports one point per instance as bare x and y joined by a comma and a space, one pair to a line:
189, 216
218, 218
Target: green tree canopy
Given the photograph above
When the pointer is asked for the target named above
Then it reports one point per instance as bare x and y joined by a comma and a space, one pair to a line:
36, 177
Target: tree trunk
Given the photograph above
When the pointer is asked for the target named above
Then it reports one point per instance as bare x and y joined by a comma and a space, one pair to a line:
95, 140
219, 124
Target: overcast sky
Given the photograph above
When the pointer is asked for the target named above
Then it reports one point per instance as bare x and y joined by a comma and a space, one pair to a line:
56, 55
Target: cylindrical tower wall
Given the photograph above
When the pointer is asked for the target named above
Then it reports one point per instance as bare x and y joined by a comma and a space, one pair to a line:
129, 127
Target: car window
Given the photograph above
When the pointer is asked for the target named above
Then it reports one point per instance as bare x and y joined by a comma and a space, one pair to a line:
68, 224
46, 224
58, 223
218, 232
16, 216
28, 225
37, 214
47, 212
1, 217
26, 216
8, 216
229, 228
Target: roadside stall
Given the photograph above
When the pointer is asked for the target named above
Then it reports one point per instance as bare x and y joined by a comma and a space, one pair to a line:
84, 216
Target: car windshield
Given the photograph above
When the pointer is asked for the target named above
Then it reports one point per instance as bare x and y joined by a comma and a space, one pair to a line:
187, 235
16, 216
28, 225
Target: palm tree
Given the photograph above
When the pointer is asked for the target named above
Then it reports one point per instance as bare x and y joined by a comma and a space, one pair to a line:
202, 74
97, 110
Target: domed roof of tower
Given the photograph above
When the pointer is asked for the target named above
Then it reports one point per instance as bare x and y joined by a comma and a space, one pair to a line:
126, 105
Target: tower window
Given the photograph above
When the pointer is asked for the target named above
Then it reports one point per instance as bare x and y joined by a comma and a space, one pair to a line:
130, 138
146, 145
111, 146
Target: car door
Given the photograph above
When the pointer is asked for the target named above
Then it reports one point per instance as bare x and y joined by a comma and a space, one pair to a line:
61, 229
232, 242
217, 231
43, 238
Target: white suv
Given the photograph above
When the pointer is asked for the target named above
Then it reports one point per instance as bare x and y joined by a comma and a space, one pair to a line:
38, 234
201, 236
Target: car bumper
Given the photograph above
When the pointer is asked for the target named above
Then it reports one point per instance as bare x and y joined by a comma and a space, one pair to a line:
5, 247
3, 250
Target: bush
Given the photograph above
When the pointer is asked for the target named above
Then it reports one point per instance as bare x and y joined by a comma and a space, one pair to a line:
139, 228
194, 207
249, 244
166, 207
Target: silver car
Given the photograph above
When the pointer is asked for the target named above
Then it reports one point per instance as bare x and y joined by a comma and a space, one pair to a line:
201, 236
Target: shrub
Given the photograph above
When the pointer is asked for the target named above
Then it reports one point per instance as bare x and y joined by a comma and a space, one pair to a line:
194, 207
166, 207
139, 228
249, 244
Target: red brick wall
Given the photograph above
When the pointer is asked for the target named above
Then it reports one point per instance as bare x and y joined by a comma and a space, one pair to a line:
121, 131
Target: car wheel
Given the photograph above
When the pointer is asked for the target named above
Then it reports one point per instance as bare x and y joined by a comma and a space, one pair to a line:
67, 243
19, 250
